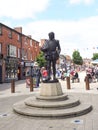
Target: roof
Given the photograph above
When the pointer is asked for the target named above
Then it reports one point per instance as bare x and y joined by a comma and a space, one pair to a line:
94, 61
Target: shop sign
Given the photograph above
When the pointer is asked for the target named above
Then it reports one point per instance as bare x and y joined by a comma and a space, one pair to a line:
27, 64
22, 63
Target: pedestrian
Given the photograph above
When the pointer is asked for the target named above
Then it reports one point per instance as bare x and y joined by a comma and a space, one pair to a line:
96, 74
75, 76
38, 75
44, 74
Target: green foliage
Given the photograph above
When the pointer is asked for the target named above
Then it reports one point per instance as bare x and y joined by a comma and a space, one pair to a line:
77, 59
95, 56
41, 60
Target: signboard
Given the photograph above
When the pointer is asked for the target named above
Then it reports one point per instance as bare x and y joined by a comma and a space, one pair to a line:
28, 64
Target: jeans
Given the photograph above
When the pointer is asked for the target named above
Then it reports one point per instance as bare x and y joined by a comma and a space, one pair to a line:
37, 81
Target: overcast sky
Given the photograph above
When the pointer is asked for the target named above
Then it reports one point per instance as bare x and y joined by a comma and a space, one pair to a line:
74, 22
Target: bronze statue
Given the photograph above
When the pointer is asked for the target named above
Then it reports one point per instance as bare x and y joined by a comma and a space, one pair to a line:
51, 49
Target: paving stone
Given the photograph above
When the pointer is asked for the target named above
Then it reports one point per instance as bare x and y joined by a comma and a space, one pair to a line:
18, 122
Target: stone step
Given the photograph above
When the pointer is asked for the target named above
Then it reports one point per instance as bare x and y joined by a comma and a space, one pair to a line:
53, 98
79, 110
70, 102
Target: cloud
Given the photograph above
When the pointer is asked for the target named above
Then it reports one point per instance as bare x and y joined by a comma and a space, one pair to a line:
74, 1
20, 9
86, 2
78, 34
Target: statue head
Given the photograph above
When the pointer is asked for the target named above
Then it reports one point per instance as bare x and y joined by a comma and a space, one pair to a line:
51, 35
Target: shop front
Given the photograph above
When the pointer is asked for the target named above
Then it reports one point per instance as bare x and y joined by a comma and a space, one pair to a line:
28, 68
11, 69
24, 69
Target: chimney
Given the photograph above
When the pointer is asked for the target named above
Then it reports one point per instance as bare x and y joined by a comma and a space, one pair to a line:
18, 29
29, 36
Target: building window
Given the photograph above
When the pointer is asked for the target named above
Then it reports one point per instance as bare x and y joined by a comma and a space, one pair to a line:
31, 56
26, 40
10, 34
11, 50
26, 54
0, 48
0, 29
30, 42
18, 52
19, 38
22, 51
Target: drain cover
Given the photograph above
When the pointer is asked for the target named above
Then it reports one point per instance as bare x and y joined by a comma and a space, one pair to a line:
77, 121
3, 115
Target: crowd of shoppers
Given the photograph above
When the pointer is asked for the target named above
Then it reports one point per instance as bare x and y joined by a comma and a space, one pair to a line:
92, 73
41, 74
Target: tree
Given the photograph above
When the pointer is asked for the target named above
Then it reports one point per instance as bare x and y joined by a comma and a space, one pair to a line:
77, 59
95, 56
41, 60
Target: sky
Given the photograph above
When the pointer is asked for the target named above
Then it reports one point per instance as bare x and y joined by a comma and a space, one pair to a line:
74, 22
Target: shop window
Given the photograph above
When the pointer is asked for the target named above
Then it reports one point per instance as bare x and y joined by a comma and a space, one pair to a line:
11, 68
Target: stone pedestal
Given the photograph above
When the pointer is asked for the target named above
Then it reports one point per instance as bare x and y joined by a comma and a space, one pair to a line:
51, 89
52, 103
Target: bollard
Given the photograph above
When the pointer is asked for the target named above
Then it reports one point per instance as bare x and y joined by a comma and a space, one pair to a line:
68, 82
31, 84
87, 83
12, 86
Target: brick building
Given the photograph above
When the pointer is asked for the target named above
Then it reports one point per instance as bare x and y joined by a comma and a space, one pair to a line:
17, 53
42, 41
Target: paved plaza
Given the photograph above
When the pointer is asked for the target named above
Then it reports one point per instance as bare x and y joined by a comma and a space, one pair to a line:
9, 120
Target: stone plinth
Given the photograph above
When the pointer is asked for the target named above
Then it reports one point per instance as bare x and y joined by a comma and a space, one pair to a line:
51, 89
52, 102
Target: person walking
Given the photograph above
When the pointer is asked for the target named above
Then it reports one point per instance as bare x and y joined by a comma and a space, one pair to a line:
38, 75
44, 74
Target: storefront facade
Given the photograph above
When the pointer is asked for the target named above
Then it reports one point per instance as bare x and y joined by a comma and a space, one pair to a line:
17, 51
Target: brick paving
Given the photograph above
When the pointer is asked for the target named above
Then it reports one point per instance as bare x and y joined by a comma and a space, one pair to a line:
12, 121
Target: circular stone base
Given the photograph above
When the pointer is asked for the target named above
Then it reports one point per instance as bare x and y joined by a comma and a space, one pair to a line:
51, 89
52, 98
